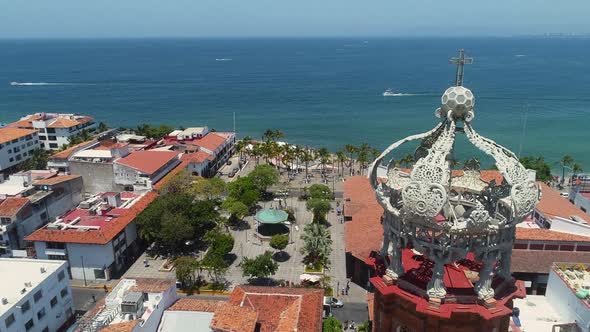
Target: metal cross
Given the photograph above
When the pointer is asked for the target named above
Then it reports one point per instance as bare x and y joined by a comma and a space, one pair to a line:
460, 61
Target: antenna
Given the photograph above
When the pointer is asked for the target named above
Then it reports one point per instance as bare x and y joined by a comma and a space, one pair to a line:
460, 61
234, 122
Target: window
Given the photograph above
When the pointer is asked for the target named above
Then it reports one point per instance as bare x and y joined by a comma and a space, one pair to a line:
53, 145
46, 329
25, 307
51, 130
11, 159
536, 246
29, 325
55, 245
9, 320
520, 246
38, 296
566, 247
41, 314
64, 292
583, 248
61, 275
53, 301
99, 274
29, 137
43, 138
52, 138
57, 257
18, 157
551, 247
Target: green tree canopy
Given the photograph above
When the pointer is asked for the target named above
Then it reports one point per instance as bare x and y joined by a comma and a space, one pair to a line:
332, 324
320, 191
245, 191
279, 241
185, 270
37, 161
213, 188
319, 208
262, 266
237, 209
264, 176
173, 218
317, 245
153, 132
538, 164
180, 183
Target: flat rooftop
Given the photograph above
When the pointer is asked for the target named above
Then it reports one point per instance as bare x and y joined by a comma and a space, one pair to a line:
16, 272
536, 313
185, 321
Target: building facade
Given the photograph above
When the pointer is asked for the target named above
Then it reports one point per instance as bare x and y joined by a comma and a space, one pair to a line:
16, 146
35, 295
55, 129
98, 239
21, 216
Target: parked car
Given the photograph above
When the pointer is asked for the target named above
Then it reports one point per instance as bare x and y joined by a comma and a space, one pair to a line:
333, 302
564, 194
229, 162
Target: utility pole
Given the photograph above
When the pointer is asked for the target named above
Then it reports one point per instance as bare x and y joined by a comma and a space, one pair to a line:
83, 271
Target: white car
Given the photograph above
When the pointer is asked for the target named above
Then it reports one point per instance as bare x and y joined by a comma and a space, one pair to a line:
564, 194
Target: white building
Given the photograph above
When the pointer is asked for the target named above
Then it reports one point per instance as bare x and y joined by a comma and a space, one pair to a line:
16, 146
133, 305
98, 239
35, 295
565, 306
139, 170
55, 129
559, 214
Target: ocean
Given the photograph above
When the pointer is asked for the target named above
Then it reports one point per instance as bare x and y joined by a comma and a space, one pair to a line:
532, 94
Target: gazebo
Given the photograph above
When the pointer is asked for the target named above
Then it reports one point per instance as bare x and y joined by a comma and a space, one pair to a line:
270, 217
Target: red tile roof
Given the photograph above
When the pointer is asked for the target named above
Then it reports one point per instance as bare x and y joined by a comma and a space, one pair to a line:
231, 318
541, 234
193, 304
65, 154
152, 285
26, 123
55, 180
281, 309
121, 327
540, 261
197, 157
101, 236
12, 205
364, 233
8, 134
552, 205
211, 141
147, 161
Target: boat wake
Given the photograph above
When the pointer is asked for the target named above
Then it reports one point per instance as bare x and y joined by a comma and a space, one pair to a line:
400, 94
37, 83
223, 59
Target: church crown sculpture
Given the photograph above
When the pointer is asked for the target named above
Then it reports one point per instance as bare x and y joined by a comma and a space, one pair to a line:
444, 217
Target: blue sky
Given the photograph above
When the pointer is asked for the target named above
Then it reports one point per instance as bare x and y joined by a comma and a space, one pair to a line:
295, 18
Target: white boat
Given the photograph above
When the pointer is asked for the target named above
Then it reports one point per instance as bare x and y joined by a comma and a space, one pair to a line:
14, 83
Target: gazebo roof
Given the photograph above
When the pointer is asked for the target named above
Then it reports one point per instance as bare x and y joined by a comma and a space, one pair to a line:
271, 216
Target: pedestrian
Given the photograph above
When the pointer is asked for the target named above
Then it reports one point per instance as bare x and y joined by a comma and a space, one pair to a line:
93, 298
106, 290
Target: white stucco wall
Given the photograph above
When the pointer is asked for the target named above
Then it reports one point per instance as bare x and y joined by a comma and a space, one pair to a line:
23, 145
94, 256
565, 302
569, 226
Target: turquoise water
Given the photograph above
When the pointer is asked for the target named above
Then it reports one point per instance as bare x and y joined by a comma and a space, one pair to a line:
320, 92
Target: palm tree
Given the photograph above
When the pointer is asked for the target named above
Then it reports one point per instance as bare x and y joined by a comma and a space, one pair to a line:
407, 160
240, 145
577, 168
268, 135
257, 152
350, 149
341, 157
298, 154
565, 161
317, 245
324, 156
307, 156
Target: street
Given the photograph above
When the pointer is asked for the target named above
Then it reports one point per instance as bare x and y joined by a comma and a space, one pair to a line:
356, 312
82, 298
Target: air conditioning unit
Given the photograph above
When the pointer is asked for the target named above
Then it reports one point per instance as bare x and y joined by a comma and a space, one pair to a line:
4, 301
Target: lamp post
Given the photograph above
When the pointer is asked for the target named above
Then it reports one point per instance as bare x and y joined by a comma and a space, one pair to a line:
83, 271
